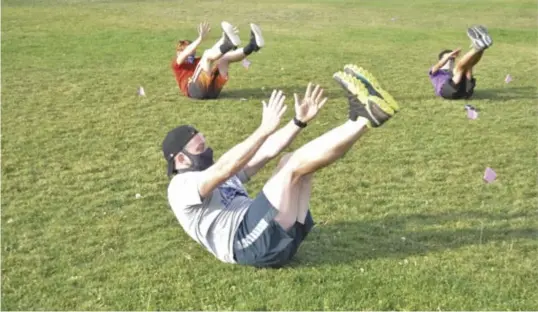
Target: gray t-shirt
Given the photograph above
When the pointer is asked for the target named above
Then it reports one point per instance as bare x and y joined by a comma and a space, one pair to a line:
213, 222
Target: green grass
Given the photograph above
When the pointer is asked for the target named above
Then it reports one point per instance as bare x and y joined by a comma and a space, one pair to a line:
405, 221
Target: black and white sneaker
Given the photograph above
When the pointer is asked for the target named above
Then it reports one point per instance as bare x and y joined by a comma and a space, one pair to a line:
256, 38
230, 37
480, 37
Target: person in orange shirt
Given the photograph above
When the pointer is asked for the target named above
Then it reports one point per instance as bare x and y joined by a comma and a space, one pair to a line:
204, 77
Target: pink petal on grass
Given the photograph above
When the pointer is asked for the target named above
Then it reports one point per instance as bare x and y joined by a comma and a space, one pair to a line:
472, 114
246, 63
489, 175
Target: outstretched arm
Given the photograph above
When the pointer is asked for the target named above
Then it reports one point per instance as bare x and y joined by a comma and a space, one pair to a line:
274, 145
203, 30
443, 61
236, 158
305, 110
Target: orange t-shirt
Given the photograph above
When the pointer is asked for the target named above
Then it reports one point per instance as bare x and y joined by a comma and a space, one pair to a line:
183, 72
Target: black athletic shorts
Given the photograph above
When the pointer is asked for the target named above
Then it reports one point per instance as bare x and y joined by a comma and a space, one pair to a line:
261, 242
463, 90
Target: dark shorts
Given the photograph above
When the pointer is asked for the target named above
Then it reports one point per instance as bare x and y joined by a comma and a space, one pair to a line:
262, 242
463, 90
207, 85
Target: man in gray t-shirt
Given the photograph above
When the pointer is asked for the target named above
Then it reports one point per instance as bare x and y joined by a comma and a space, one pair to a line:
210, 201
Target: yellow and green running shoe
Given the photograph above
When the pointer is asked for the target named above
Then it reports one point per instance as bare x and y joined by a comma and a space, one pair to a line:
373, 86
363, 104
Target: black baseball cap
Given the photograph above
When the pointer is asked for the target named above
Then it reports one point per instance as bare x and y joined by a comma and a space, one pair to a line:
174, 142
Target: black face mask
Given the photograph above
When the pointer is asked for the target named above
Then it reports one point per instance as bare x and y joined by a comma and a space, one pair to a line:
201, 161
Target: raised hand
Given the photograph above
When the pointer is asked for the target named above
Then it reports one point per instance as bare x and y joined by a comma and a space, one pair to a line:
272, 112
203, 30
307, 108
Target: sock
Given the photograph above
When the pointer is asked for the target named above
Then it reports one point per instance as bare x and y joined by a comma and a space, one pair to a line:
354, 106
248, 49
226, 47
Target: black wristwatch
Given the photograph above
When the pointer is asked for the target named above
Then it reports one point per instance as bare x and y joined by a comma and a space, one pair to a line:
298, 123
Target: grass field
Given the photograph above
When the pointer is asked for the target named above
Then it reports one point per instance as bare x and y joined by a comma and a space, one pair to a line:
405, 221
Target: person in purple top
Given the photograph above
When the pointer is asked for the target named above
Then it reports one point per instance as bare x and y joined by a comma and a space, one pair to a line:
454, 80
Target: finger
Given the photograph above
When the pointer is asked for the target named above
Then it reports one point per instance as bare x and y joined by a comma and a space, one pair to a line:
273, 94
278, 99
282, 111
320, 105
282, 99
275, 99
308, 90
297, 101
281, 103
315, 92
319, 95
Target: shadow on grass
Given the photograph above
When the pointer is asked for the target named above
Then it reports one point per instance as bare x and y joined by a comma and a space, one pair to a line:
505, 93
248, 93
259, 94
256, 93
402, 236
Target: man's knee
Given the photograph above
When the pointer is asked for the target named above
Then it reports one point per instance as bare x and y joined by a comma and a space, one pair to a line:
204, 65
289, 163
208, 56
295, 176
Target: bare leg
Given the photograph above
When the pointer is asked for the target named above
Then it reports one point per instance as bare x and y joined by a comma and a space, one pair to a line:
298, 199
304, 197
280, 190
255, 44
327, 148
469, 74
230, 57
364, 111
465, 64
229, 40
211, 55
476, 59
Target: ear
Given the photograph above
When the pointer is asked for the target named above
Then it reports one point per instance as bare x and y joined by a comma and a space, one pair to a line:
180, 158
